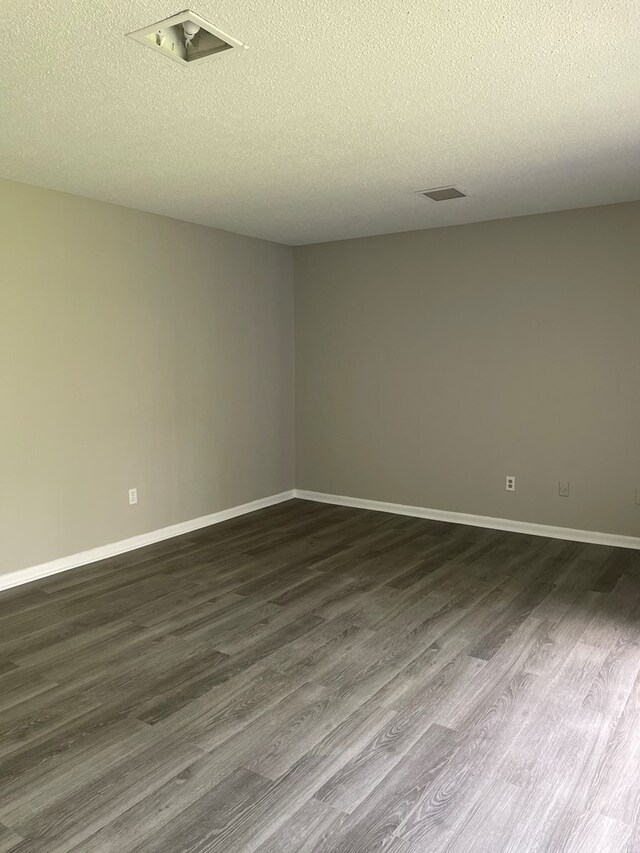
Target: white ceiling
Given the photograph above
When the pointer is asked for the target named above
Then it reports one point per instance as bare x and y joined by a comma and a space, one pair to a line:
337, 113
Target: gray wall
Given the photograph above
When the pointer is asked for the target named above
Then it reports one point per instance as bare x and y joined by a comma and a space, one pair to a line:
431, 364
139, 351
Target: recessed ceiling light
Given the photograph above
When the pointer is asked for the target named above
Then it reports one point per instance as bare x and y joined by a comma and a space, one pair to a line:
443, 193
185, 38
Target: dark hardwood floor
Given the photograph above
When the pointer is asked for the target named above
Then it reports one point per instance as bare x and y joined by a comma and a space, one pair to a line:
317, 678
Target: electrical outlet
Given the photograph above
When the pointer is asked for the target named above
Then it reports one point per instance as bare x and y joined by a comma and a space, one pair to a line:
563, 488
133, 496
510, 484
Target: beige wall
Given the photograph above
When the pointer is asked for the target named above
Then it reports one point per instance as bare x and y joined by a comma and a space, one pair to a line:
142, 351
139, 351
431, 364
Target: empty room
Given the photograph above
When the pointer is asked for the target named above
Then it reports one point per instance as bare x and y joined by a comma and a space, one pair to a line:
320, 427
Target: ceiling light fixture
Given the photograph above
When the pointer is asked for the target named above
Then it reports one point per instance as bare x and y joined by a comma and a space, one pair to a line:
191, 30
185, 38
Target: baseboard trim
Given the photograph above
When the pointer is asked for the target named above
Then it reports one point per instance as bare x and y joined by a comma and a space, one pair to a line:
63, 564
74, 561
511, 525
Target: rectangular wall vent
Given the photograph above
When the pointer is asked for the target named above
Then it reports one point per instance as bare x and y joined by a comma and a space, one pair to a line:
443, 193
185, 38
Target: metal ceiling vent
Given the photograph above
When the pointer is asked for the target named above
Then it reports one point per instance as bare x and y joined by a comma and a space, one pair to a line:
185, 38
443, 193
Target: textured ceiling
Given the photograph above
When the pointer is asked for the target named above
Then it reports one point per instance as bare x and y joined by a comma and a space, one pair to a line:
339, 111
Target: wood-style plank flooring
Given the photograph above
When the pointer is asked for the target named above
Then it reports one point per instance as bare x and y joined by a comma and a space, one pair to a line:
313, 678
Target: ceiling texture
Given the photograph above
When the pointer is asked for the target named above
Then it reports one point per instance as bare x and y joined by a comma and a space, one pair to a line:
336, 115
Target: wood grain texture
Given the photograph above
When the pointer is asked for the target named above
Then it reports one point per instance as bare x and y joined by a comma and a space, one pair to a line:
320, 679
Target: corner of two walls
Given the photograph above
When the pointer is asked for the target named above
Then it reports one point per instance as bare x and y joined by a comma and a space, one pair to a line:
140, 351
135, 351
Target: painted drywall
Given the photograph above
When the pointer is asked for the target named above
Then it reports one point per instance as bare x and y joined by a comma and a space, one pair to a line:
135, 351
431, 364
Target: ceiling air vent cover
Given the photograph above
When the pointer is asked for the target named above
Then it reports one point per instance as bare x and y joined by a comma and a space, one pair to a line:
443, 193
186, 38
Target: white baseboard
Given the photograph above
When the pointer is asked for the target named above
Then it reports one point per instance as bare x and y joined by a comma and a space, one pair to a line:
53, 567
94, 554
511, 525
